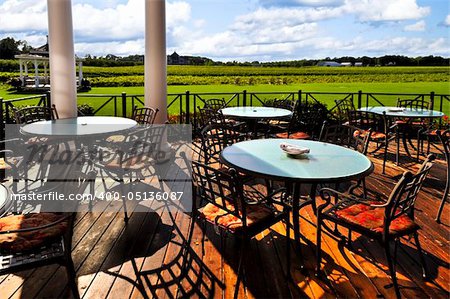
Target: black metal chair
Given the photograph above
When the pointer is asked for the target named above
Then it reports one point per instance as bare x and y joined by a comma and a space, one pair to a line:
379, 131
417, 103
347, 136
215, 104
408, 129
135, 157
210, 116
33, 114
344, 107
445, 139
144, 115
32, 240
214, 139
383, 220
305, 123
429, 133
231, 211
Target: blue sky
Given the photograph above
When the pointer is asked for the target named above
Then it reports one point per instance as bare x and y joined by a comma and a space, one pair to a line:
248, 30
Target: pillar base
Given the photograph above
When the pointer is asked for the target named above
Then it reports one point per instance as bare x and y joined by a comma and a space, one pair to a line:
166, 153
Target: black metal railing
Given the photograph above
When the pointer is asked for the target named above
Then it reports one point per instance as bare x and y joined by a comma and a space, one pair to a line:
182, 107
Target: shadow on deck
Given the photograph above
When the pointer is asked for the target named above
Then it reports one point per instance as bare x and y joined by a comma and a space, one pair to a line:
150, 256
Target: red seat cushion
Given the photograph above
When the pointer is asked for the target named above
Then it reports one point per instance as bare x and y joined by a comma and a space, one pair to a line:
373, 219
214, 214
296, 135
22, 241
373, 135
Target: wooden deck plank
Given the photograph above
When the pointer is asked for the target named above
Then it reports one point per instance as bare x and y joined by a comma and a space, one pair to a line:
103, 249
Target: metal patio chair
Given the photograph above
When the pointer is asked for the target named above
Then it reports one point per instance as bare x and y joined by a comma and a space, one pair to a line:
225, 205
383, 220
31, 240
445, 139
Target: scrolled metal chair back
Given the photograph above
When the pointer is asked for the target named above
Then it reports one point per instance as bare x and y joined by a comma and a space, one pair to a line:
144, 115
215, 138
344, 106
215, 104
413, 103
222, 189
403, 197
34, 114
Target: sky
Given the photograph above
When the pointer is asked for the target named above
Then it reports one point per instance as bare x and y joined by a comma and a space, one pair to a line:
247, 30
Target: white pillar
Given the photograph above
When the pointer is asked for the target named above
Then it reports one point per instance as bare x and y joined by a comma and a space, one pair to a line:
80, 72
46, 80
36, 74
155, 58
21, 70
62, 58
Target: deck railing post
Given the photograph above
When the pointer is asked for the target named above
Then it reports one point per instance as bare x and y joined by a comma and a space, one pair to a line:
299, 97
431, 100
48, 100
124, 105
359, 98
188, 110
244, 98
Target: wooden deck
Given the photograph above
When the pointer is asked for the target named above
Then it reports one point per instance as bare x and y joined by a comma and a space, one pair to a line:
108, 255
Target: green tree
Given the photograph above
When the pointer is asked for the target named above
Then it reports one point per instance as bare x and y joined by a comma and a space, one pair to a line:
9, 47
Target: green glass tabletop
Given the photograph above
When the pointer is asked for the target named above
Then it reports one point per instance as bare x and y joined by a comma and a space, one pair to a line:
256, 112
79, 126
325, 162
403, 112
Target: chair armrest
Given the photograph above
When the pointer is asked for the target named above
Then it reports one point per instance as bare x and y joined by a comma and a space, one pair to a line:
268, 198
327, 193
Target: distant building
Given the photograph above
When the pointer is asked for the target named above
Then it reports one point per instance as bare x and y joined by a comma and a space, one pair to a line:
328, 63
346, 64
176, 59
358, 64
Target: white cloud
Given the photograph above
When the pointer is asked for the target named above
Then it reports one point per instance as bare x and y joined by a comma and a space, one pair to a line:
117, 48
386, 10
419, 26
23, 15
316, 3
125, 21
447, 21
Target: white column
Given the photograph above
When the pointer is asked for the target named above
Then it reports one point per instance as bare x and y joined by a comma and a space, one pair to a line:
155, 58
80, 72
62, 58
21, 70
36, 74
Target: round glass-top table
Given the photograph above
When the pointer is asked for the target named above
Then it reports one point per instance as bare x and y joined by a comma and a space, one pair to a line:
256, 112
252, 114
407, 114
79, 126
325, 163
403, 112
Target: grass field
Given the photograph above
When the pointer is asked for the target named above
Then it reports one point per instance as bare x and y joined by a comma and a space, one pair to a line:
398, 80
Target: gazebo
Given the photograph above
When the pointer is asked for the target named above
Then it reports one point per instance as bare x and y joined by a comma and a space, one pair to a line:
39, 80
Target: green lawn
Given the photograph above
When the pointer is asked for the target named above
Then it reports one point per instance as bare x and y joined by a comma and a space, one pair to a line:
399, 88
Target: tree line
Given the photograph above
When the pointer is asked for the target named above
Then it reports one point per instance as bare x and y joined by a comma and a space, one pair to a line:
10, 47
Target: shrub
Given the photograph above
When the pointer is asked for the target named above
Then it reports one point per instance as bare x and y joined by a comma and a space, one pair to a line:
85, 110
